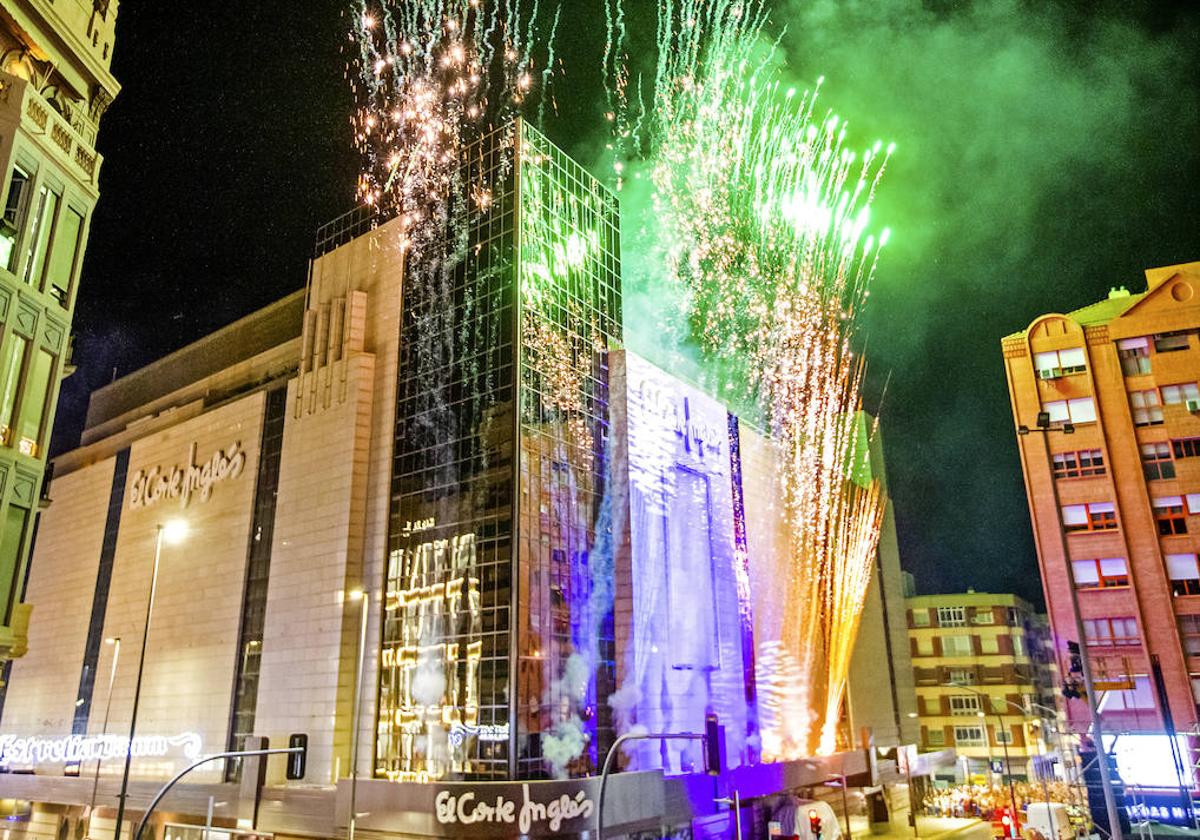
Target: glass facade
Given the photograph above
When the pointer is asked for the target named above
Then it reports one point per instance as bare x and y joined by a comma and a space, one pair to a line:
258, 573
522, 300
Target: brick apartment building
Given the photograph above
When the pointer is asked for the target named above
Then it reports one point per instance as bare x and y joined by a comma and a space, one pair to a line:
1113, 481
985, 679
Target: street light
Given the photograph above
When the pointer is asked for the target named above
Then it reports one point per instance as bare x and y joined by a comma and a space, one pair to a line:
357, 595
172, 532
1012, 794
115, 641
1044, 429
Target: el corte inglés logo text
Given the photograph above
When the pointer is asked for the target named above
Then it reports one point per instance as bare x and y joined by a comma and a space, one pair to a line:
182, 482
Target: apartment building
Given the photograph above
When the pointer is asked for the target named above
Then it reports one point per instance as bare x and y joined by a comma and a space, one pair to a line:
985, 681
1109, 398
55, 85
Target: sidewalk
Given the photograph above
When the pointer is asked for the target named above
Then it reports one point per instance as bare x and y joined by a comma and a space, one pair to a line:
928, 828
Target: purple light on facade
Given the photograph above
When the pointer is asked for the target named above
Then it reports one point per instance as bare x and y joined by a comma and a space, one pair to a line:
741, 558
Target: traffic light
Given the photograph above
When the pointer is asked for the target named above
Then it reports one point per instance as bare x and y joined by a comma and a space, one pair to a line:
297, 761
712, 745
814, 823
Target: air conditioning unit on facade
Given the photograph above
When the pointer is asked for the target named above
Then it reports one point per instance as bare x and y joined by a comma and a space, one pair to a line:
1049, 373
1193, 406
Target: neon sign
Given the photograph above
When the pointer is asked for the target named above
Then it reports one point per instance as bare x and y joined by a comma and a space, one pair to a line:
469, 808
182, 482
71, 749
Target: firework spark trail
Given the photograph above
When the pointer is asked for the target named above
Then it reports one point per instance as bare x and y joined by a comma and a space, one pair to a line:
430, 77
766, 212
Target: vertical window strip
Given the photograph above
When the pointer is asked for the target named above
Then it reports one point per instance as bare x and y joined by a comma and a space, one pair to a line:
244, 707
108, 551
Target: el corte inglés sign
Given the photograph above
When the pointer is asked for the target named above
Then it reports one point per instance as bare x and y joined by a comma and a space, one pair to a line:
185, 481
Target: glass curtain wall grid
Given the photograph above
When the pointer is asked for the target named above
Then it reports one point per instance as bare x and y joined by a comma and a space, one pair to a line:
494, 637
258, 572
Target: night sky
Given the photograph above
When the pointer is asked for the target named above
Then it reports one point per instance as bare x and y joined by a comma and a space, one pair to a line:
1046, 152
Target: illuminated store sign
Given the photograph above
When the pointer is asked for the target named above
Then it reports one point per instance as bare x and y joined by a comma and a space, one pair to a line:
72, 749
493, 734
182, 482
470, 808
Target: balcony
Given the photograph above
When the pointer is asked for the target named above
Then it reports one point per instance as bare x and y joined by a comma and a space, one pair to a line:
21, 104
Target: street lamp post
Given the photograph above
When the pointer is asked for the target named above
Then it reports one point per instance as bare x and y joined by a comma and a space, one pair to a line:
171, 532
357, 595
112, 676
1012, 794
1110, 800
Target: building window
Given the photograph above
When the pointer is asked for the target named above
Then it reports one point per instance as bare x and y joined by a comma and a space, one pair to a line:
1018, 644
962, 676
67, 242
18, 349
16, 522
1081, 410
1170, 342
1135, 356
1140, 697
1146, 407
1187, 393
1056, 363
1003, 736
1104, 573
920, 618
14, 216
1184, 574
1193, 502
1186, 447
1156, 461
964, 704
936, 737
989, 644
1189, 632
34, 403
969, 736
1168, 513
1094, 516
952, 616
1111, 632
957, 646
39, 236
1196, 689
1087, 462
984, 617
924, 646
